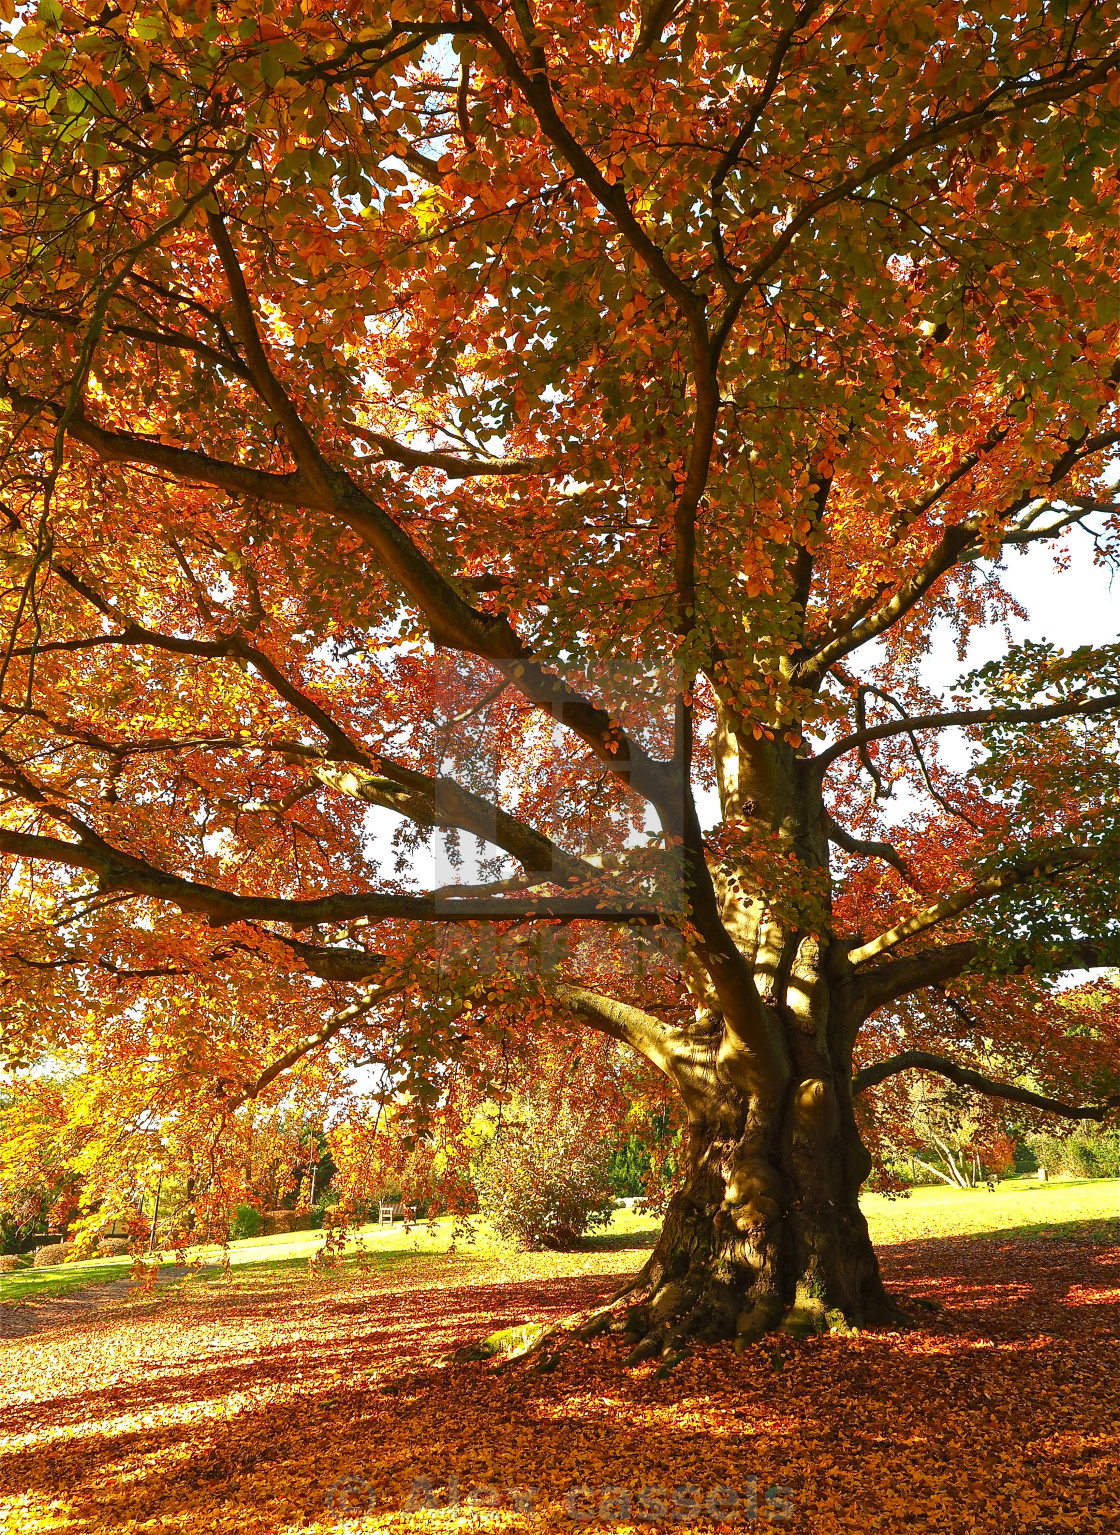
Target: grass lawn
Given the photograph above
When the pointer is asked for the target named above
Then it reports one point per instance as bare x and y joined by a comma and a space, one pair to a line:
287, 1254
1020, 1207
276, 1253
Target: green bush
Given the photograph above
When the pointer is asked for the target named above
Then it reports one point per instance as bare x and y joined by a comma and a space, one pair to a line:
1090, 1152
328, 1200
246, 1223
1080, 1160
628, 1167
544, 1180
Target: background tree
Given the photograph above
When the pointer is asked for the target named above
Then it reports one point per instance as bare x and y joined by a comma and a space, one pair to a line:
40, 1184
1065, 1038
536, 424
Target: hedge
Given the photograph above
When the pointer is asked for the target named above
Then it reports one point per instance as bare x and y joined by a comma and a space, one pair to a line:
57, 1252
278, 1222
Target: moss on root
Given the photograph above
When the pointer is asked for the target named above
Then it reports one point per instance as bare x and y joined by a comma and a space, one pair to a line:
509, 1343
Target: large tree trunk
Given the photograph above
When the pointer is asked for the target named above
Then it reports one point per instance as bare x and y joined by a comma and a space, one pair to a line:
767, 1231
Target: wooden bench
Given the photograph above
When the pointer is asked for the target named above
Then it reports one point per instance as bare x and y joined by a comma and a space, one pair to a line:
387, 1214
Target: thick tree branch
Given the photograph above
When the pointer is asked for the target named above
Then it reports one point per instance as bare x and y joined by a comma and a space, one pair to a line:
667, 1048
452, 621
687, 1062
1056, 862
933, 967
456, 468
660, 1043
1065, 709
300, 440
334, 963
428, 170
656, 16
184, 464
431, 801
119, 871
963, 1076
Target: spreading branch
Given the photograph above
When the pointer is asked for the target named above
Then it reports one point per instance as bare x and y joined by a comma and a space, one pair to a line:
867, 622
346, 766
933, 967
886, 851
1065, 709
1060, 861
120, 871
333, 1025
453, 466
963, 1076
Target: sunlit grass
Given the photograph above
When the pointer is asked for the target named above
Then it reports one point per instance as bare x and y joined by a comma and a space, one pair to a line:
1020, 1208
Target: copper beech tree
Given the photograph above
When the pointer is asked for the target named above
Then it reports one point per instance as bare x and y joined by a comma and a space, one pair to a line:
555, 430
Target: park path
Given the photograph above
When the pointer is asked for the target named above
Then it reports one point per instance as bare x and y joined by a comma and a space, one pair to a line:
19, 1319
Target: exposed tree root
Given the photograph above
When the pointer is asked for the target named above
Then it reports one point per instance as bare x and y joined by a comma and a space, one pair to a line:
662, 1323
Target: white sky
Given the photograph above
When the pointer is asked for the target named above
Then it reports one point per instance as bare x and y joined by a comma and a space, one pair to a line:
1078, 606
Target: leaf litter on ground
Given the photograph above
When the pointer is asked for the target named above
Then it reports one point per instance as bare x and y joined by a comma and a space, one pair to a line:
272, 1405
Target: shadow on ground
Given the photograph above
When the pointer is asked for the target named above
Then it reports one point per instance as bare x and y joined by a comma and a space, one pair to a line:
300, 1405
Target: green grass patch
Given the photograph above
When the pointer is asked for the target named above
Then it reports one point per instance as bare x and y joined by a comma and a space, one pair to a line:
1021, 1208
256, 1259
42, 1284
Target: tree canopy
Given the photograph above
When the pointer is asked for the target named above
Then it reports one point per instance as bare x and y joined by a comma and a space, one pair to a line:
525, 427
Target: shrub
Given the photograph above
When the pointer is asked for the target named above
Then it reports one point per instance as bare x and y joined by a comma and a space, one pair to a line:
112, 1247
544, 1180
56, 1252
273, 1222
8, 1262
328, 1200
1087, 1153
1079, 1159
246, 1223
